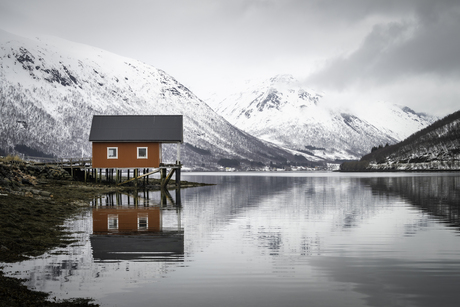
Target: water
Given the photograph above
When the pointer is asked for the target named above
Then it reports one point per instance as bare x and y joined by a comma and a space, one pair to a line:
266, 239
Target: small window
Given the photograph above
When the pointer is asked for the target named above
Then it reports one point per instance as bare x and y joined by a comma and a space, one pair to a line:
112, 221
112, 152
142, 221
142, 153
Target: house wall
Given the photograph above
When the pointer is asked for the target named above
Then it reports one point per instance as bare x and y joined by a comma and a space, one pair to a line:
127, 220
127, 155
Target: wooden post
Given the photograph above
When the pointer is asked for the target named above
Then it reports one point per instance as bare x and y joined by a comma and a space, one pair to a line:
178, 198
178, 177
162, 176
163, 198
135, 176
165, 181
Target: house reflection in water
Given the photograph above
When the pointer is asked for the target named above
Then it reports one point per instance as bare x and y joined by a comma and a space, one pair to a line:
129, 227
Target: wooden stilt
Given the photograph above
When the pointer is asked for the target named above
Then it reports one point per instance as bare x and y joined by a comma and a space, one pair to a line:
163, 198
178, 177
178, 198
166, 180
162, 176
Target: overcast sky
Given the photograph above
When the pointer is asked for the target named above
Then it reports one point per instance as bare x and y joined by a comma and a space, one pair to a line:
404, 52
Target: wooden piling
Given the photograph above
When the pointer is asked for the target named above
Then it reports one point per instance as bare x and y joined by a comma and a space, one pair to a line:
178, 178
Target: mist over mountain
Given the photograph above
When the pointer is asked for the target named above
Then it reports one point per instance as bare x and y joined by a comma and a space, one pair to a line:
283, 111
51, 88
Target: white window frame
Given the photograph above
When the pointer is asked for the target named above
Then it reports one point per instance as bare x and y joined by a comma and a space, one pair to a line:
112, 221
146, 152
108, 153
144, 218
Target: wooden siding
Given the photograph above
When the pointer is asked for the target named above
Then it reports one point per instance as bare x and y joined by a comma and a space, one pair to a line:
127, 155
127, 220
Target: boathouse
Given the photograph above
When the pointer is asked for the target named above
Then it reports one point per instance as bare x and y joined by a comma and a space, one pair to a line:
133, 141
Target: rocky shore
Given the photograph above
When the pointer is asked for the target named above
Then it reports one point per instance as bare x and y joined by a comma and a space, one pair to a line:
34, 202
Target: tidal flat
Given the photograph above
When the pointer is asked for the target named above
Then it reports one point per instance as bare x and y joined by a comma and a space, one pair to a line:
30, 225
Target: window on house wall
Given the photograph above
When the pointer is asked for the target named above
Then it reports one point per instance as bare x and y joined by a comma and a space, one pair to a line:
112, 221
142, 221
112, 152
142, 153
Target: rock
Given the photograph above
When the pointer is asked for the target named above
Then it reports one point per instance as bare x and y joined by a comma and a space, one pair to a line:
45, 193
35, 192
4, 182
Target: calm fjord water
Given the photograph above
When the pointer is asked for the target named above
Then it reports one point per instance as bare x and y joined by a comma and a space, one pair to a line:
266, 239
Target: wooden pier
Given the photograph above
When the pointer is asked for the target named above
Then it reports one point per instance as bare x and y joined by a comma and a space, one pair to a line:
82, 167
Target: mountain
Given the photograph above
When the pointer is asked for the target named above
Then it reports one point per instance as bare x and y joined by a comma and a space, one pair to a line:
51, 88
436, 147
282, 111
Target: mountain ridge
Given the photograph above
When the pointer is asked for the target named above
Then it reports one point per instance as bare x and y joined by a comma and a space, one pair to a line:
49, 95
436, 147
281, 110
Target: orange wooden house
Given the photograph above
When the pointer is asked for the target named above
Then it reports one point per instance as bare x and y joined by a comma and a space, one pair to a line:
133, 141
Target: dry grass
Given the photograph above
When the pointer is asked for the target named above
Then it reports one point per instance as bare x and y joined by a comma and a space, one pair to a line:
10, 158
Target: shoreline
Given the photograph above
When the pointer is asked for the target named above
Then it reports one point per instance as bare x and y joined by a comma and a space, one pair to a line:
32, 208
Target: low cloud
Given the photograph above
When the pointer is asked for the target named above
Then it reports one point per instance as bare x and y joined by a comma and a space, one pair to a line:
426, 43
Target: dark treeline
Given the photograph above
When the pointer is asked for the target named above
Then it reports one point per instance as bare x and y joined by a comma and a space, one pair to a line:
444, 133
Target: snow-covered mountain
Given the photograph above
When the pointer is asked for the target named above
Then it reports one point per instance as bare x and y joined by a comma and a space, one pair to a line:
51, 88
281, 111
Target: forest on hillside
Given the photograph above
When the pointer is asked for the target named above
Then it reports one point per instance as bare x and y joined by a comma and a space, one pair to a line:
439, 142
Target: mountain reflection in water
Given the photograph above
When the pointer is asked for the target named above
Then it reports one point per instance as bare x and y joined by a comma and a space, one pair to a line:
279, 239
439, 196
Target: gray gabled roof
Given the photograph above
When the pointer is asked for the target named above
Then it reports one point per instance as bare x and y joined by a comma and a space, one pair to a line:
137, 128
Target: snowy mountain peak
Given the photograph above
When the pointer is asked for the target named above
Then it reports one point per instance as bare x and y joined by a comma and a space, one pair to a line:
282, 79
282, 111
